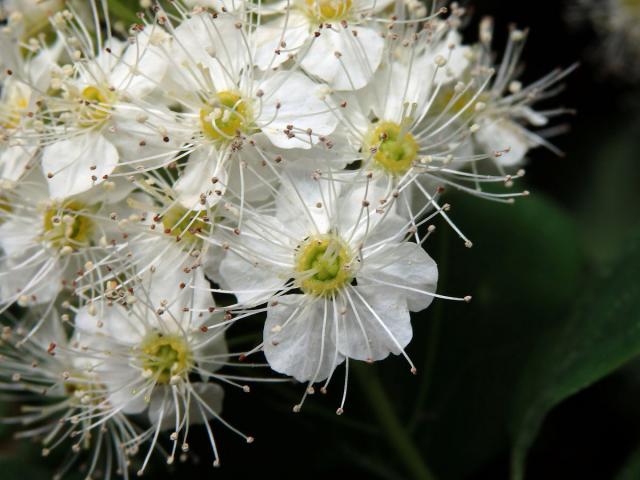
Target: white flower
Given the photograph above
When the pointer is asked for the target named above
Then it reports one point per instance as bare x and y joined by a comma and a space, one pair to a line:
236, 119
98, 109
25, 78
66, 404
506, 119
169, 226
156, 355
335, 40
357, 276
46, 243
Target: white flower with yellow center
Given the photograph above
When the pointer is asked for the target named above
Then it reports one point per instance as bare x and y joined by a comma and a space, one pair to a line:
26, 73
337, 274
237, 119
506, 116
168, 227
158, 357
95, 116
64, 403
338, 41
47, 244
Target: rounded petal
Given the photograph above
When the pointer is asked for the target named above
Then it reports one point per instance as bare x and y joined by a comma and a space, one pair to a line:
248, 271
299, 338
198, 40
346, 61
121, 395
162, 408
109, 323
291, 98
293, 30
408, 267
195, 180
506, 137
142, 65
76, 165
376, 324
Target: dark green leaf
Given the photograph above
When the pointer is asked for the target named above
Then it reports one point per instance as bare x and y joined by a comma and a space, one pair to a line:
602, 335
523, 272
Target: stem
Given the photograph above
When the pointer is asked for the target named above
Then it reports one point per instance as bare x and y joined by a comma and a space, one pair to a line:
433, 336
398, 438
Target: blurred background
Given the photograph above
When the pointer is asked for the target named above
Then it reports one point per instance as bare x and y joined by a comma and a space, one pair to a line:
538, 374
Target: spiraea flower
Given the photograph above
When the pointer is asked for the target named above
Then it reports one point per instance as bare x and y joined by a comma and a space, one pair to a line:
338, 41
94, 115
48, 242
154, 354
506, 119
27, 73
236, 119
64, 402
337, 274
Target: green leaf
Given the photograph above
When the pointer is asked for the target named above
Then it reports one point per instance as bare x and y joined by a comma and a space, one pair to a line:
602, 335
523, 273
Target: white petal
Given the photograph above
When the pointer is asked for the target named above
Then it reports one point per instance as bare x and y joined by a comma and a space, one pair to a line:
39, 69
270, 35
306, 206
164, 286
71, 162
405, 265
301, 105
500, 135
365, 335
200, 36
195, 180
210, 358
141, 144
121, 394
141, 67
111, 324
302, 346
41, 281
249, 176
244, 271
17, 235
211, 394
360, 56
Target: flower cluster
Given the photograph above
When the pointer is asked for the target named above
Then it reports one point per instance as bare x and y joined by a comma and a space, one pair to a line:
225, 160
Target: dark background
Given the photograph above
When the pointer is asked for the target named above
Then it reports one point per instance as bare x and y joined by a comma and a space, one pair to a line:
530, 264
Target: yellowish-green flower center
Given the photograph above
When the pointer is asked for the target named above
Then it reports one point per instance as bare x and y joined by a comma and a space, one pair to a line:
227, 115
395, 149
187, 225
67, 225
95, 106
13, 107
166, 356
450, 103
324, 265
83, 390
327, 10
